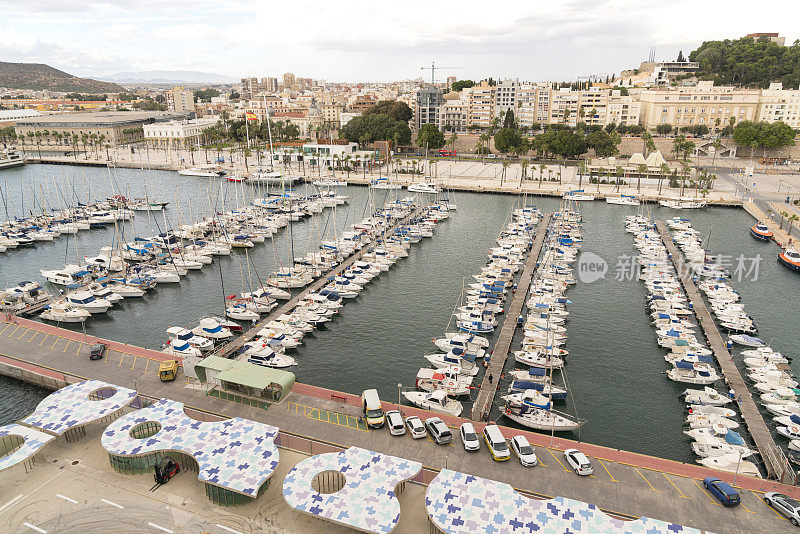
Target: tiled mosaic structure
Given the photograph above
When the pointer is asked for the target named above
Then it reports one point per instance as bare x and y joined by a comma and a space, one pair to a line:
32, 441
366, 501
458, 503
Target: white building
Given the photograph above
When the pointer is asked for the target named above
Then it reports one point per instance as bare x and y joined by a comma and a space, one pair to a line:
176, 134
779, 104
505, 96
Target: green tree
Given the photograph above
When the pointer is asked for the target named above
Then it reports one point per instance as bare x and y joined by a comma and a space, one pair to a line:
379, 127
461, 84
429, 136
568, 144
748, 62
399, 111
508, 121
602, 143
664, 129
509, 140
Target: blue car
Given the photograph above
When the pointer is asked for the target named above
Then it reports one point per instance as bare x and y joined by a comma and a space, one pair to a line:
722, 491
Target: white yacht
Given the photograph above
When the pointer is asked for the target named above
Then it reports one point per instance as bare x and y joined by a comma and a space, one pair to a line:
182, 348
211, 328
61, 312
535, 411
182, 334
437, 402
87, 301
448, 379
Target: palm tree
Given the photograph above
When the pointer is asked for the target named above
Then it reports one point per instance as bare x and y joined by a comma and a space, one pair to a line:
684, 175
541, 174
503, 175
347, 164
664, 173
46, 134
107, 145
584, 167
524, 167
642, 168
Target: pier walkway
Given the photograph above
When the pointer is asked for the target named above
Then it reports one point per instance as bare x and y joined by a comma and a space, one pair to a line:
774, 459
483, 404
230, 348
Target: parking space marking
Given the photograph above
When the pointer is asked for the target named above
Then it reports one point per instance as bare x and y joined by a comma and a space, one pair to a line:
12, 333
73, 501
12, 501
607, 471
774, 511
43, 339
134, 362
55, 342
745, 507
122, 354
6, 328
67, 345
34, 527
645, 479
146, 365
23, 334
556, 458
159, 527
79, 349
35, 333
710, 498
228, 529
113, 504
674, 486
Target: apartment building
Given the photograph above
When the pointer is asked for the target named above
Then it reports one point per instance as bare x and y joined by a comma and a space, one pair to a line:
622, 110
454, 114
702, 104
779, 104
564, 105
480, 105
175, 134
427, 106
250, 87
505, 97
533, 104
180, 100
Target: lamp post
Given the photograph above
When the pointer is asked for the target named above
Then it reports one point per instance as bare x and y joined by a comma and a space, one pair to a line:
737, 467
399, 386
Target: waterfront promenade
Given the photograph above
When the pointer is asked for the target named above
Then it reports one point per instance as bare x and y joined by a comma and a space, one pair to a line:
488, 389
774, 460
626, 483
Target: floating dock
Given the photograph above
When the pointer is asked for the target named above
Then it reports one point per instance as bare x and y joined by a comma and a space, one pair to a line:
483, 404
774, 459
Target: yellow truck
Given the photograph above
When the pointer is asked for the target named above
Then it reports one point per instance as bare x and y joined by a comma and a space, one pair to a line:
168, 370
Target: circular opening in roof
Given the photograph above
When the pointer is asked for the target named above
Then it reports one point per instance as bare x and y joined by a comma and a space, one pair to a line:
328, 481
10, 444
145, 430
102, 394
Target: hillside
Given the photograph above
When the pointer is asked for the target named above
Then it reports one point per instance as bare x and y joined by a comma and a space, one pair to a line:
38, 76
748, 63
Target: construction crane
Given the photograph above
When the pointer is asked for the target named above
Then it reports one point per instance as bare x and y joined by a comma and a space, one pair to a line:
433, 68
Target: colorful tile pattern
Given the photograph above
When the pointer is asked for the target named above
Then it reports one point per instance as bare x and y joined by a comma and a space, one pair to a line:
236, 454
458, 503
34, 440
366, 502
70, 407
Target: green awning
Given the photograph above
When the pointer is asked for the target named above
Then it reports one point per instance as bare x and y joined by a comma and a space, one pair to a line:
256, 376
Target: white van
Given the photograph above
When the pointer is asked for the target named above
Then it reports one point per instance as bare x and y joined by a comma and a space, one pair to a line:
496, 442
373, 411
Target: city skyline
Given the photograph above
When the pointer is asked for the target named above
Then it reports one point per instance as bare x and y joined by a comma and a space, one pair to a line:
358, 41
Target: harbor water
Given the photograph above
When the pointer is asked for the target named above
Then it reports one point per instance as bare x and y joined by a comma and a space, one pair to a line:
615, 369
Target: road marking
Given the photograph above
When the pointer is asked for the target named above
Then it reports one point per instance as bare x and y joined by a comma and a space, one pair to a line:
73, 501
774, 511
134, 362
35, 333
607, 471
674, 486
23, 334
77, 352
55, 342
712, 499
648, 482
34, 527
42, 341
745, 507
159, 527
120, 360
113, 504
557, 460
223, 527
12, 333
67, 345
146, 365
12, 501
6, 328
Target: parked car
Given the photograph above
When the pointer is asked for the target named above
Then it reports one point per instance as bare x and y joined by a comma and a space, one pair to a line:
579, 462
785, 505
524, 451
496, 443
373, 410
394, 420
722, 491
469, 438
490, 156
97, 351
440, 432
415, 427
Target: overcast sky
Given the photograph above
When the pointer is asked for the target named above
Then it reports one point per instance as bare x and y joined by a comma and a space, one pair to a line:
359, 40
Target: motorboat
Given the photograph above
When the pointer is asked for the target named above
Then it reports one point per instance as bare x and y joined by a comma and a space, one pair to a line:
448, 379
199, 171
182, 348
520, 385
790, 258
761, 232
709, 410
70, 274
692, 372
211, 328
101, 291
240, 312
436, 401
182, 334
423, 187
731, 463
779, 396
747, 341
533, 410
453, 358
87, 301
706, 395
464, 342
705, 421
623, 200
62, 312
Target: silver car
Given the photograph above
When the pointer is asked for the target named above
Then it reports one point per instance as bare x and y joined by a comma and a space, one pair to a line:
394, 420
785, 505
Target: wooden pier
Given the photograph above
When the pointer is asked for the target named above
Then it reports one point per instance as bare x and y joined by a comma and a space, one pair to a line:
227, 350
483, 404
774, 459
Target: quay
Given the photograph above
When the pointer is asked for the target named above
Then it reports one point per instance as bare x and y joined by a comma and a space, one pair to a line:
780, 235
776, 463
625, 484
228, 349
488, 389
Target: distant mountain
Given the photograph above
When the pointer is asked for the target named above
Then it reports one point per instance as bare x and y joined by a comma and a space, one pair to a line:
38, 77
168, 76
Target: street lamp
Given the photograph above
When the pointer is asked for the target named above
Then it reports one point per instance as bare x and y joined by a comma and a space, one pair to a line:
737, 467
399, 385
